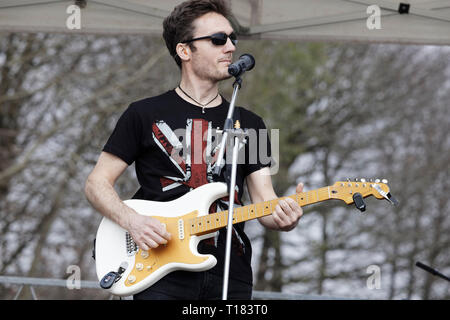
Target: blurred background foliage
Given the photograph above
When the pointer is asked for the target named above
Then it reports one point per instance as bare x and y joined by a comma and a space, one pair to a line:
343, 110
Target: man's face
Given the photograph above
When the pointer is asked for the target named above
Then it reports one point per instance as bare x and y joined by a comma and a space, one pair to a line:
209, 61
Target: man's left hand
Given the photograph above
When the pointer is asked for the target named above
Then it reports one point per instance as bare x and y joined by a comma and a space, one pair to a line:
287, 213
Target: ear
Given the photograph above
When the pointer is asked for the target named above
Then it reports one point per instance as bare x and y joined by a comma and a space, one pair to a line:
183, 51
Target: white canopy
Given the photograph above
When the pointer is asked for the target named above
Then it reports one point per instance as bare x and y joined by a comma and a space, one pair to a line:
420, 21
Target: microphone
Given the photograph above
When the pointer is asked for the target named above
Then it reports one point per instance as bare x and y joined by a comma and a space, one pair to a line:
246, 62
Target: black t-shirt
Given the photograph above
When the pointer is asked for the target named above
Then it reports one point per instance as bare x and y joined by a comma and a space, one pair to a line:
174, 146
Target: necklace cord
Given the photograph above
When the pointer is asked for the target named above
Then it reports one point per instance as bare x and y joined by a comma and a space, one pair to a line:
202, 105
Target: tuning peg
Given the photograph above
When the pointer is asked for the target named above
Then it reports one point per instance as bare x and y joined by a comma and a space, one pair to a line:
363, 180
377, 180
384, 181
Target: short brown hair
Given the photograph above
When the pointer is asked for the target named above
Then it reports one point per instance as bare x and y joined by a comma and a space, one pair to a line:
178, 25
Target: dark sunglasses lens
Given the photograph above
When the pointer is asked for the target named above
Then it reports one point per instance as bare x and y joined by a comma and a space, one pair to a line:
219, 39
233, 38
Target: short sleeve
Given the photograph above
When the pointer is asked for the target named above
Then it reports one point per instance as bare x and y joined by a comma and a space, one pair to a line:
125, 140
258, 149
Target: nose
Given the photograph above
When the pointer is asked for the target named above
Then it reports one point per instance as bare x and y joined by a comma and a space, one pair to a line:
229, 46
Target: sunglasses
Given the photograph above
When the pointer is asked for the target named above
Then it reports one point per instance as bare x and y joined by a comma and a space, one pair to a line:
218, 39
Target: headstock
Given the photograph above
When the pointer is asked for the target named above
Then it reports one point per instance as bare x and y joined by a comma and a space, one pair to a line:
355, 191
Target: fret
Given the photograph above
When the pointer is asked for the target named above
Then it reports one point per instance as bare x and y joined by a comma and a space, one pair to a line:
191, 222
266, 209
275, 202
258, 209
224, 217
225, 222
302, 201
251, 211
219, 219
201, 223
208, 225
239, 210
205, 222
196, 224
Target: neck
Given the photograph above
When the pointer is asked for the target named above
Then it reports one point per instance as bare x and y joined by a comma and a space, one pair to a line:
214, 221
201, 91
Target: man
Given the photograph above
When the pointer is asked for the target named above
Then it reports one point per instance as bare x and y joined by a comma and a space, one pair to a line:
201, 40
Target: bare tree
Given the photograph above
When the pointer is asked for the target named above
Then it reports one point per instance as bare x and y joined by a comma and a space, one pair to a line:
343, 111
88, 84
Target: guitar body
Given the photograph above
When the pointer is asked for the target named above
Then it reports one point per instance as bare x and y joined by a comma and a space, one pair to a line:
115, 248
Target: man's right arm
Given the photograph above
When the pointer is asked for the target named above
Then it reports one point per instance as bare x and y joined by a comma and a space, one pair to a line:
147, 232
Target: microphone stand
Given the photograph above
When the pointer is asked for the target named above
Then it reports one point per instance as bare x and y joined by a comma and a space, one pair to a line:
229, 131
434, 272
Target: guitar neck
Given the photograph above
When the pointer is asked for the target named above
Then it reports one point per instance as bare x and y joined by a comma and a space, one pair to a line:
215, 221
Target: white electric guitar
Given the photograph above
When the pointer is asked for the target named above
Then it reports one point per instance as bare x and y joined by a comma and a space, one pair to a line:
124, 269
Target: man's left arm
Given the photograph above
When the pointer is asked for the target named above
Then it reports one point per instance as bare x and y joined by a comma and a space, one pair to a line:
286, 214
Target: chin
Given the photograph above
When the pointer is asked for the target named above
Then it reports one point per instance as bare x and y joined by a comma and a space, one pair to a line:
225, 75
220, 76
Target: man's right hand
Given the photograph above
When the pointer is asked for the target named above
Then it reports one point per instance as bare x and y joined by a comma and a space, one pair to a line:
146, 231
